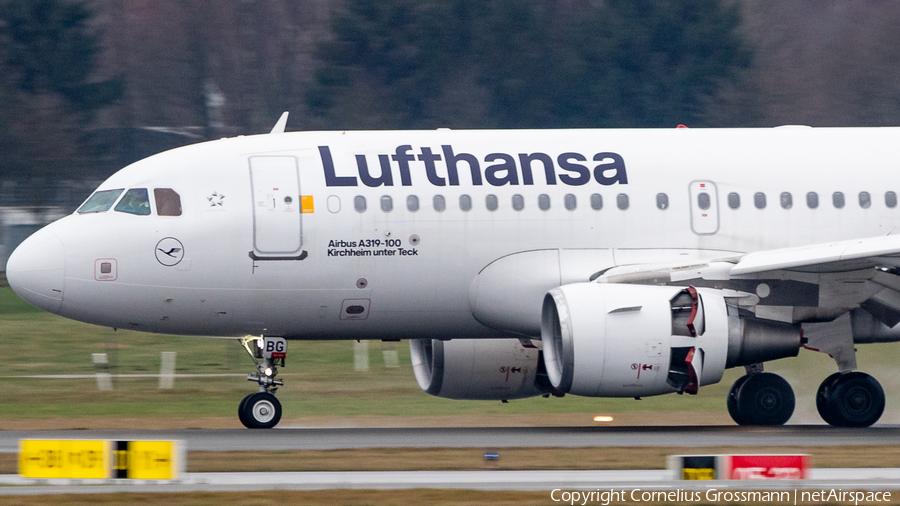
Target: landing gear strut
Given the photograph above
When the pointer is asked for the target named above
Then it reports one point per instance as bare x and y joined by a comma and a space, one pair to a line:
261, 410
850, 399
760, 398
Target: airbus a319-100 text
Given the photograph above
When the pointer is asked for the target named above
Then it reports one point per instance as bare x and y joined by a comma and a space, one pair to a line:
603, 263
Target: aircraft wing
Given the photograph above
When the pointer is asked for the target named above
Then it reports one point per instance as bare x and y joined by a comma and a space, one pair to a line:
832, 257
824, 280
856, 273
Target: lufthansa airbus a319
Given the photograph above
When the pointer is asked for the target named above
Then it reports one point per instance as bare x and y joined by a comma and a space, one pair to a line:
603, 263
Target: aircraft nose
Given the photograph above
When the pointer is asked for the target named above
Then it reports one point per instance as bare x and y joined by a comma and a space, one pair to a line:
36, 270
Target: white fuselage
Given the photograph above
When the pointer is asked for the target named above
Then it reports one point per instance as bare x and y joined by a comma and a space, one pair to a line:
402, 269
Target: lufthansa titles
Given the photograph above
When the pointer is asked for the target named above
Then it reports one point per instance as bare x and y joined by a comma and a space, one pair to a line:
446, 167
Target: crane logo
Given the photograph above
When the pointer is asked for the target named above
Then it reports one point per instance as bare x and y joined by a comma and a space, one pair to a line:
169, 251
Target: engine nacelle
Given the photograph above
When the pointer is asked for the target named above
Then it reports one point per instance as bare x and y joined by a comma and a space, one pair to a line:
476, 369
618, 340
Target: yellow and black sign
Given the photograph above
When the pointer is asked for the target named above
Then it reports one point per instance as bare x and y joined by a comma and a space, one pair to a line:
64, 459
146, 460
702, 473
695, 467
73, 459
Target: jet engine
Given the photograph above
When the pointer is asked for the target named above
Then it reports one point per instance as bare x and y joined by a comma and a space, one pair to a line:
618, 340
476, 369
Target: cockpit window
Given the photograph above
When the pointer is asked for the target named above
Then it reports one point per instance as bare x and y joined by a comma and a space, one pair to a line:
168, 202
135, 201
100, 201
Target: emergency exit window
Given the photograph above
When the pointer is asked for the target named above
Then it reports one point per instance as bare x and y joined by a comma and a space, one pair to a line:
703, 201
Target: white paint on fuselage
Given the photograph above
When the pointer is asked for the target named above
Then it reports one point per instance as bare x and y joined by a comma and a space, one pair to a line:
217, 290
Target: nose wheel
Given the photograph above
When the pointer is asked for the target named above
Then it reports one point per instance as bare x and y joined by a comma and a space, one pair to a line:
261, 410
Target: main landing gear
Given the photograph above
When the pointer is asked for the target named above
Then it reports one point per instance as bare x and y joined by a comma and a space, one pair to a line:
760, 398
261, 410
850, 399
845, 399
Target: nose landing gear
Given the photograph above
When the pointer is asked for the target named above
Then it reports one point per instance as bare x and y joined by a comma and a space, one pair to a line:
261, 410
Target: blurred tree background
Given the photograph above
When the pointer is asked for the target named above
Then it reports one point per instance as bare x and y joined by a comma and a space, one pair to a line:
87, 86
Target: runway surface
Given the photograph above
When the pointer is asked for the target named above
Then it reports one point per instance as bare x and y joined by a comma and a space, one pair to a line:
480, 437
540, 481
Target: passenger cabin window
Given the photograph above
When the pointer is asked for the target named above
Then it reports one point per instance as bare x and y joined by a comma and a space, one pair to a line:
518, 202
359, 203
100, 201
412, 203
787, 200
387, 203
865, 200
544, 202
703, 201
622, 201
491, 202
465, 202
440, 203
662, 201
812, 200
168, 202
759, 200
596, 201
570, 202
334, 204
136, 201
838, 200
890, 199
734, 200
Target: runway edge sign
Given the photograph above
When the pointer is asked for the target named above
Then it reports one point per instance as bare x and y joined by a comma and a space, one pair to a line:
101, 459
739, 467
